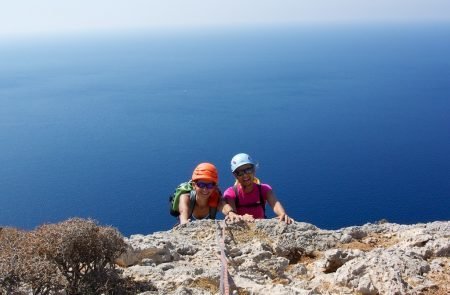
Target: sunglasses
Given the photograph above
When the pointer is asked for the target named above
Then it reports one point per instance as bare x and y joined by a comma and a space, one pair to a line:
208, 185
244, 171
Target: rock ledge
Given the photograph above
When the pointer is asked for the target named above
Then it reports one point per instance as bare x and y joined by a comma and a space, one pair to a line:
268, 257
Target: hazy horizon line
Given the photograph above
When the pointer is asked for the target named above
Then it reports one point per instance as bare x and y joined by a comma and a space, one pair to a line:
221, 27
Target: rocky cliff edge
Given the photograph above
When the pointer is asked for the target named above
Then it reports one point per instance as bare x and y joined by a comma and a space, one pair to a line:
269, 257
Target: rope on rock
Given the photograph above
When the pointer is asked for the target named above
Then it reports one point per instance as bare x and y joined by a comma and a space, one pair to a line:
224, 284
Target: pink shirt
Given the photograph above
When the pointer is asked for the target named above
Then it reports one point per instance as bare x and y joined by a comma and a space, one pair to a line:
249, 198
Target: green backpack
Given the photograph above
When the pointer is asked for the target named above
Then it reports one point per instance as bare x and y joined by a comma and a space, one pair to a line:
187, 188
174, 199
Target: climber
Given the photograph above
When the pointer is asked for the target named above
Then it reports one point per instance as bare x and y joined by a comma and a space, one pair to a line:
247, 196
203, 198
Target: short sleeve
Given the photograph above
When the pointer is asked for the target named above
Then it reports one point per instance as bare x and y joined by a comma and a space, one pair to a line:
264, 189
229, 193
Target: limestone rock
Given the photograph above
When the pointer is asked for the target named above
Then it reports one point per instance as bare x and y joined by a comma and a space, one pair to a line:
269, 257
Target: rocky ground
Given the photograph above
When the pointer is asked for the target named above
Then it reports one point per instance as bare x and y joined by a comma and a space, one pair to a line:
268, 257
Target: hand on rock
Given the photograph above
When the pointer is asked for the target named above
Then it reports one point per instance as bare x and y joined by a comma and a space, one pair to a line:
285, 218
233, 217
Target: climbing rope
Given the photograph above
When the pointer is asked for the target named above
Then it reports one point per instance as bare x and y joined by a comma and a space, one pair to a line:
220, 237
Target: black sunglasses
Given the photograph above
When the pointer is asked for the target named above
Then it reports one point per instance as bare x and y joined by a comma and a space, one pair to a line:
208, 185
244, 171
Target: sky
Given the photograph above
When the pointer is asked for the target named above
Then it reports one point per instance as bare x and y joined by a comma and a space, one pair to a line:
19, 17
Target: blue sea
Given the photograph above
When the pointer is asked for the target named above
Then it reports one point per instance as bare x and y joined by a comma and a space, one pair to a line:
349, 124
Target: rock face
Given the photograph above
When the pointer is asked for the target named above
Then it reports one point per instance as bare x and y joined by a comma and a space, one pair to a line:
268, 257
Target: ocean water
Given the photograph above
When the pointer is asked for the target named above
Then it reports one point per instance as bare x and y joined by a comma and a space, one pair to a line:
349, 124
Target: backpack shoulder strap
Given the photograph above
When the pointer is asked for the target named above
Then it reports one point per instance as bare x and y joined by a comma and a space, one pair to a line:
261, 199
192, 195
213, 207
212, 212
236, 193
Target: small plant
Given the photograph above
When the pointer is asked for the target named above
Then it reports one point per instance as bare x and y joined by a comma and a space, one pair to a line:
76, 256
11, 243
19, 265
39, 273
382, 221
83, 252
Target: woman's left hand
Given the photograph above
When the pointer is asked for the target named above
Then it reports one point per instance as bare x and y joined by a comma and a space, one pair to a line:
233, 217
285, 218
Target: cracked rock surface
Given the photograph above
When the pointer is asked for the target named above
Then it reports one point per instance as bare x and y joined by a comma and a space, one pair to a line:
268, 257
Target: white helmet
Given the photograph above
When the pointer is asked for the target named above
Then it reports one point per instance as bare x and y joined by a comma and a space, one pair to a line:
241, 159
